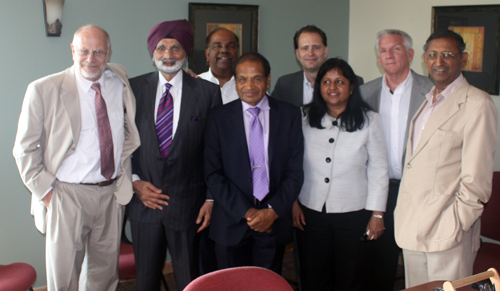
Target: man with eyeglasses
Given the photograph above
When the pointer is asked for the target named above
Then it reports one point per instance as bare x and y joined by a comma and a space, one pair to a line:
448, 169
75, 137
396, 95
222, 48
169, 207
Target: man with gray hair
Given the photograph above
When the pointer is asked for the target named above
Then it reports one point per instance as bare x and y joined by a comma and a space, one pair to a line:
396, 96
73, 149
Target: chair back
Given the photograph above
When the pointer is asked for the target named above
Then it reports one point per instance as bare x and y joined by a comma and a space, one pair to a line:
241, 279
490, 219
491, 274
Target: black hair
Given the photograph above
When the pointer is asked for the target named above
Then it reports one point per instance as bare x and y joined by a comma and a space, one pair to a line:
353, 117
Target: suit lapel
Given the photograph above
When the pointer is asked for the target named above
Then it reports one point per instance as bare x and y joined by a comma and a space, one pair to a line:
274, 121
71, 100
238, 131
449, 108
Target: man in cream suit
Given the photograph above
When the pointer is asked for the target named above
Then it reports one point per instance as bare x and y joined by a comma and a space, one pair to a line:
396, 95
75, 136
448, 169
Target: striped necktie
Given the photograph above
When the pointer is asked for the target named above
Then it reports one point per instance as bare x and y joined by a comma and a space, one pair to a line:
164, 121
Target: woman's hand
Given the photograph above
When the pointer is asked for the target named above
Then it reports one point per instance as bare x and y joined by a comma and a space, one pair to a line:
298, 216
375, 226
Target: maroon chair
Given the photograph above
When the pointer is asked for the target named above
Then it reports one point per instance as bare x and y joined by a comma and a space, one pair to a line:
241, 279
488, 255
17, 277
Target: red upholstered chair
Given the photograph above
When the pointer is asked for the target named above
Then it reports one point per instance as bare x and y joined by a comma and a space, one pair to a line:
17, 277
241, 279
488, 255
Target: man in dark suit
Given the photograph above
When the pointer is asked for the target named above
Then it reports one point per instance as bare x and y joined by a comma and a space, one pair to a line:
170, 205
396, 95
311, 50
253, 166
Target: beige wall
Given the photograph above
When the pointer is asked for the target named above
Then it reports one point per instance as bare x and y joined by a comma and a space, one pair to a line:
367, 17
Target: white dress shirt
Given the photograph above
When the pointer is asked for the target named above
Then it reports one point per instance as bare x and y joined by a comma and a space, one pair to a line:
308, 91
84, 165
228, 91
394, 109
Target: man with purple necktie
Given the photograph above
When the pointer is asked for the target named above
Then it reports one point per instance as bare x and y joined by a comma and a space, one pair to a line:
253, 166
170, 205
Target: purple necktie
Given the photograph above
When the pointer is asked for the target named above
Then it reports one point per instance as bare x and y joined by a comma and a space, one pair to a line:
257, 156
164, 121
105, 136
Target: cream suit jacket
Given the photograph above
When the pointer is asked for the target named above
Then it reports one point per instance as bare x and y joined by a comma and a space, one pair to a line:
448, 177
48, 131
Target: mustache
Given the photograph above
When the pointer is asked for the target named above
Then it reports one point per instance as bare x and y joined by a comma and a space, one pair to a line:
171, 60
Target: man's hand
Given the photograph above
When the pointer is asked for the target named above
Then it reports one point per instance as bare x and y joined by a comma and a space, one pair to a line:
191, 73
298, 216
261, 220
375, 226
150, 195
205, 215
46, 200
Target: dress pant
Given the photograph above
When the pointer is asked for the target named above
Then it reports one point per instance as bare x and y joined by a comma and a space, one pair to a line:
84, 226
208, 261
257, 249
383, 261
331, 251
452, 264
150, 241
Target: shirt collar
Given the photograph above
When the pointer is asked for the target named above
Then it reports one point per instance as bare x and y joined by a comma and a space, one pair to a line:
306, 82
176, 81
213, 79
263, 104
446, 92
404, 84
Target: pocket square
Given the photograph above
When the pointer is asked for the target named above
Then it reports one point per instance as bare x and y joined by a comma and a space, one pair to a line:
196, 118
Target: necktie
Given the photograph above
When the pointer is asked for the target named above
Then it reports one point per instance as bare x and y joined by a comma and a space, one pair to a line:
164, 122
257, 156
105, 137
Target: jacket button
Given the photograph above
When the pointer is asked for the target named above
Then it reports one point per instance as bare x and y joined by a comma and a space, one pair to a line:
328, 160
408, 166
327, 180
331, 140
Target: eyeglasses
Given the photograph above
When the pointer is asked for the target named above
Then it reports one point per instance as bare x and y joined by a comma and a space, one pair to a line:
175, 49
445, 55
98, 54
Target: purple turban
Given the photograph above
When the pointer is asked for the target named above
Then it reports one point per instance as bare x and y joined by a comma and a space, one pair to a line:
178, 29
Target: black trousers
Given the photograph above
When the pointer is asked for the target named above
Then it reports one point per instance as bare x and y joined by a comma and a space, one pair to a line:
331, 252
257, 249
150, 241
385, 252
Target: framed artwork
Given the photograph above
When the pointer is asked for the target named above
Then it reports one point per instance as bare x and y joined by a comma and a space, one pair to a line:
243, 20
479, 25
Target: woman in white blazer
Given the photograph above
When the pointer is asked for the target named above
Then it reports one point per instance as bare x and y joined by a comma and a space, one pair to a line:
344, 195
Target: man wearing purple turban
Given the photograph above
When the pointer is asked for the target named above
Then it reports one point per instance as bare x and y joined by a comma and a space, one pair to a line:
170, 204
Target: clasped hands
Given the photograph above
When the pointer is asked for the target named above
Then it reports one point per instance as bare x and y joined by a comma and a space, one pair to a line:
260, 220
153, 198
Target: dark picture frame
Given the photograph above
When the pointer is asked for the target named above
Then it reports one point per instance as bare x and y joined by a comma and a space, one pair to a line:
202, 15
479, 25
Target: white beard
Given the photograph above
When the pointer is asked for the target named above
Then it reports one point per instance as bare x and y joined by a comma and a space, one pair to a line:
170, 69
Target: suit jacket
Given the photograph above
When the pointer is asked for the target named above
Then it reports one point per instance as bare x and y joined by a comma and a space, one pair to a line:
49, 129
421, 86
290, 88
448, 176
229, 175
180, 175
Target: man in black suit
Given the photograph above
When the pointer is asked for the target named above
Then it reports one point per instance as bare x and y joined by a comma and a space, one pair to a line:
169, 206
311, 50
253, 166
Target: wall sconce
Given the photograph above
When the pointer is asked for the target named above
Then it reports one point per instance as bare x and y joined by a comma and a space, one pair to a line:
53, 14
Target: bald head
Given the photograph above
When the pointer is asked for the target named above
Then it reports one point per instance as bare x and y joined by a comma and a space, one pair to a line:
90, 49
